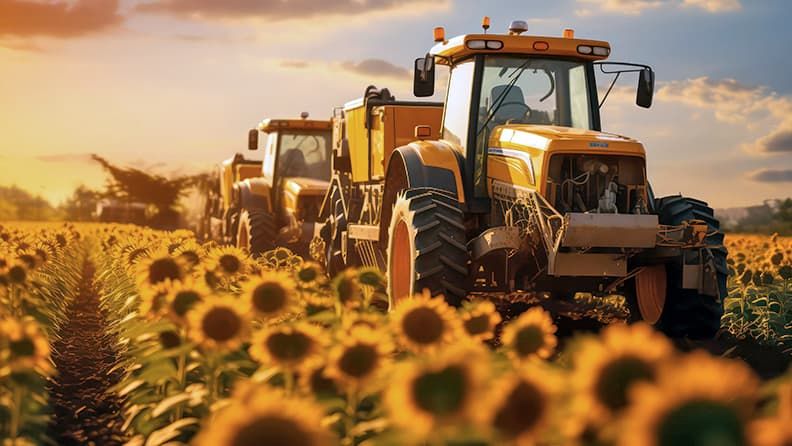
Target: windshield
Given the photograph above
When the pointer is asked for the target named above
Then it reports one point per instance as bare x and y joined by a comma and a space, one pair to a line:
522, 90
304, 154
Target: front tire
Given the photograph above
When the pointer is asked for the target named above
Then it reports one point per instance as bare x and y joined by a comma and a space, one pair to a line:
686, 312
257, 231
427, 246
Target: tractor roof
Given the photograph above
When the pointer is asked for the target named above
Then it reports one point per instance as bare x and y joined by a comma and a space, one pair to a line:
274, 125
461, 47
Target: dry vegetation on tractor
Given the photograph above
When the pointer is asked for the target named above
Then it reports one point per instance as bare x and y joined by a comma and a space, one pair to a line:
117, 334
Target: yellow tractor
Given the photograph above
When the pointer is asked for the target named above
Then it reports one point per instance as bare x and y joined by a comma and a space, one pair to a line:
278, 205
511, 190
220, 220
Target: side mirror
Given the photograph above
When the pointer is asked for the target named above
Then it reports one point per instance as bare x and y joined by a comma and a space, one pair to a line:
424, 76
646, 80
253, 139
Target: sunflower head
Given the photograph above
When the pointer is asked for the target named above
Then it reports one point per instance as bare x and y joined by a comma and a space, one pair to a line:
272, 294
17, 273
359, 358
518, 407
268, 419
183, 297
607, 368
219, 323
228, 261
531, 335
479, 319
314, 380
309, 275
697, 399
191, 252
26, 346
154, 299
424, 395
425, 323
289, 346
160, 267
347, 290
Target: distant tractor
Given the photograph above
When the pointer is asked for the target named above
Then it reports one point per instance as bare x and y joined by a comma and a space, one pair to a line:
221, 215
510, 190
117, 211
275, 202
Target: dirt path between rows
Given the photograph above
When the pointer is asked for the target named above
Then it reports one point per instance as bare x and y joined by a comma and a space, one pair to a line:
85, 412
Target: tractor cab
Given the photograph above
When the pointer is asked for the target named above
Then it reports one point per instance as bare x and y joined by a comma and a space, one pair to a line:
279, 207
524, 96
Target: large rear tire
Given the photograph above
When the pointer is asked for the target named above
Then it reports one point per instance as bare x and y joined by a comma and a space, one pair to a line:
331, 235
427, 246
257, 231
686, 312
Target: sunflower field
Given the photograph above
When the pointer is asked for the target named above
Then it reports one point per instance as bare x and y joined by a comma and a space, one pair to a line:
114, 334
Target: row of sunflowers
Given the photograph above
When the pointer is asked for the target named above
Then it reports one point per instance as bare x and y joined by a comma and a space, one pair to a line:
226, 350
759, 305
40, 268
221, 349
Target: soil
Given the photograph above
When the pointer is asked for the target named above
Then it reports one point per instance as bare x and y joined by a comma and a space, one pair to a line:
85, 411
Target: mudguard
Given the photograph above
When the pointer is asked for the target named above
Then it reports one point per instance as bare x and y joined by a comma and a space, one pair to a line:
420, 164
432, 164
253, 193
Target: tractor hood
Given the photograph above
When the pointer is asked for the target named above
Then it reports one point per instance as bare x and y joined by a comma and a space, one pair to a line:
563, 139
306, 186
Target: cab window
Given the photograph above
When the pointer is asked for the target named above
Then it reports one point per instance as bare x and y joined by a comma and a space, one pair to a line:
457, 109
304, 154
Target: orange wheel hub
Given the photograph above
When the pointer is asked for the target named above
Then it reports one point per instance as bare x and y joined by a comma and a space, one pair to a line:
650, 290
401, 273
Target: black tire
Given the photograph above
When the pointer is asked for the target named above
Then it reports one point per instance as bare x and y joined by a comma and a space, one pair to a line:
331, 235
687, 313
257, 231
438, 255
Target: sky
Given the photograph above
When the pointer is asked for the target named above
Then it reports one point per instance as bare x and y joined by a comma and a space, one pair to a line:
173, 85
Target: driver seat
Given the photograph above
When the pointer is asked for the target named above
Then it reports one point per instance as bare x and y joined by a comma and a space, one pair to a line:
508, 110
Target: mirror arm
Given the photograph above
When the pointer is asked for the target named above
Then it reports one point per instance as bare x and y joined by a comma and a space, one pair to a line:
609, 89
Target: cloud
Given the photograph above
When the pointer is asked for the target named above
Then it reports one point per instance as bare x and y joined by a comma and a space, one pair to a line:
636, 7
297, 64
780, 141
771, 175
377, 68
276, 9
738, 104
714, 6
372, 68
67, 158
62, 19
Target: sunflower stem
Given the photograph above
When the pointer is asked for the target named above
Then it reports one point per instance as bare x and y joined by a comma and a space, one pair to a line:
181, 377
16, 412
350, 417
288, 382
211, 377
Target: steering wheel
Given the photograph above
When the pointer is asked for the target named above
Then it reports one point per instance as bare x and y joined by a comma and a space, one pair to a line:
314, 149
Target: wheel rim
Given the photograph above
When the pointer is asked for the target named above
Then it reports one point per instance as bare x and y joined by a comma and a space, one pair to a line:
243, 241
650, 288
401, 274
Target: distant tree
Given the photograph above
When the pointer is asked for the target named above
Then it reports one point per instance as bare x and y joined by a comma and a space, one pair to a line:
784, 212
27, 206
134, 185
82, 204
8, 210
